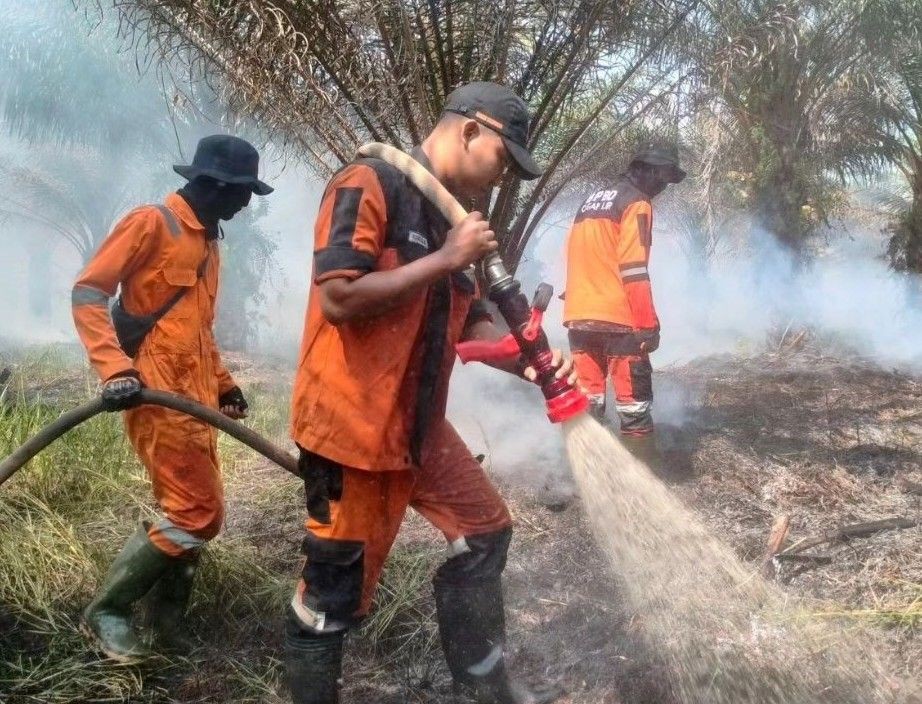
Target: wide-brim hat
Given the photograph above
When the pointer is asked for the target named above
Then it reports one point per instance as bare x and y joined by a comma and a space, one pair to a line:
226, 158
661, 155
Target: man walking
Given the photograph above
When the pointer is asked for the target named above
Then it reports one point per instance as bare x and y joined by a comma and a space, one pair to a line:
608, 305
165, 260
389, 302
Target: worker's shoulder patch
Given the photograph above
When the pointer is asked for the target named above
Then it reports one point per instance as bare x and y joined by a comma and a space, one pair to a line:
390, 179
600, 204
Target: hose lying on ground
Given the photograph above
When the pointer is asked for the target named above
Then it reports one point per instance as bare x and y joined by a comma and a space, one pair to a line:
51, 432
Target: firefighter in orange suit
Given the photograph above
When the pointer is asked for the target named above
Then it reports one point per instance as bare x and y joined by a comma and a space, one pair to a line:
389, 302
165, 260
608, 304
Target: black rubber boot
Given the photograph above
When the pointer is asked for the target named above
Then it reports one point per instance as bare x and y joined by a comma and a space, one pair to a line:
313, 662
167, 603
107, 619
597, 408
472, 628
645, 449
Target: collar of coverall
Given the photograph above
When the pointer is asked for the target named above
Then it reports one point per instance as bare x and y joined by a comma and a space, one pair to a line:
631, 180
183, 210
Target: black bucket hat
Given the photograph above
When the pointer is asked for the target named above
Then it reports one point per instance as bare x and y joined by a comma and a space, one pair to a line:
661, 155
226, 158
500, 109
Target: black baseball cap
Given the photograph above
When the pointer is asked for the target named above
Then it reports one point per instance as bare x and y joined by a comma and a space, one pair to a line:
500, 109
661, 155
226, 158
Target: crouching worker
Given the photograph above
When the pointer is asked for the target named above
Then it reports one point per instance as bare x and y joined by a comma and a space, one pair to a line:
165, 259
388, 303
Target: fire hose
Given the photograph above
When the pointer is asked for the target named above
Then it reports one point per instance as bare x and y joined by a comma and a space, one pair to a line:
75, 417
526, 339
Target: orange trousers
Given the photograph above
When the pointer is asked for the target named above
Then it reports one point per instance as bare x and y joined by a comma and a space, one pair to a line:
600, 354
179, 452
344, 557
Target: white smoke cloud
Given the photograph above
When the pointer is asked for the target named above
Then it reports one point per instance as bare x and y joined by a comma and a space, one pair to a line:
847, 293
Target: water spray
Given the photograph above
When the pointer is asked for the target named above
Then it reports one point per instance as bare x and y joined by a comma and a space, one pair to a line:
526, 339
727, 635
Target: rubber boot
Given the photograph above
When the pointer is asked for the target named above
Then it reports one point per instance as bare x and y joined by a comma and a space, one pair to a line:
645, 449
597, 408
314, 662
167, 603
473, 628
107, 619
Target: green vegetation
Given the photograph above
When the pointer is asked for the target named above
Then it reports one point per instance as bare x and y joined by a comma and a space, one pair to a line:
64, 516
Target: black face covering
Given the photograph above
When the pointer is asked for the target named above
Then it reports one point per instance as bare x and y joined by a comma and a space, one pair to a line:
213, 200
648, 179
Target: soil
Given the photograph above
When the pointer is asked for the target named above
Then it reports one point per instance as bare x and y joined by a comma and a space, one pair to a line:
827, 439
821, 436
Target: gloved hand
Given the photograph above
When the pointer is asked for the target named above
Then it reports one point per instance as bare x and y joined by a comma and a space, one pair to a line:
647, 340
120, 392
233, 404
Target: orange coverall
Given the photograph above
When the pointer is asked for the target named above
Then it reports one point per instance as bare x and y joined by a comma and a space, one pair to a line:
608, 305
151, 252
357, 403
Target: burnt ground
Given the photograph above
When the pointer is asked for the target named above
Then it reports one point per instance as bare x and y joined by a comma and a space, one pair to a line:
827, 439
823, 437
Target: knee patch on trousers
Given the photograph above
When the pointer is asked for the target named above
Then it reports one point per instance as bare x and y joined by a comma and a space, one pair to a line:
333, 573
484, 558
641, 379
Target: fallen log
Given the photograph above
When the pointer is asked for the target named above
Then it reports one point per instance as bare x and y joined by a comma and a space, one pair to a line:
855, 530
776, 538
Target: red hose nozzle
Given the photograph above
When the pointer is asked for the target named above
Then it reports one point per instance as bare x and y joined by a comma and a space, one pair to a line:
567, 405
563, 401
527, 339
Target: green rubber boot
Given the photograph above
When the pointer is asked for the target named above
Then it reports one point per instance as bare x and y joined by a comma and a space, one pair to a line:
167, 603
107, 619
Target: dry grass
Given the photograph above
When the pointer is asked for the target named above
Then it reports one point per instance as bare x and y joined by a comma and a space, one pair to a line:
761, 440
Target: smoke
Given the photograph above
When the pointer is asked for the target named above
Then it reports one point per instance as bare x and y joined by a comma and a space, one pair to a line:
730, 304
847, 297
83, 139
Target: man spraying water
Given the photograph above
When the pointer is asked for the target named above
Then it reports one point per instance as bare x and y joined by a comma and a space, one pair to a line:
389, 302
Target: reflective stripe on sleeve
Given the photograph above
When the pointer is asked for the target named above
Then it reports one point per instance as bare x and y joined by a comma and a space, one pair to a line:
82, 295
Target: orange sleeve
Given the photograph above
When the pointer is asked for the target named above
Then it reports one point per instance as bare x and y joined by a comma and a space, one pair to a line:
351, 225
126, 247
225, 380
633, 258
